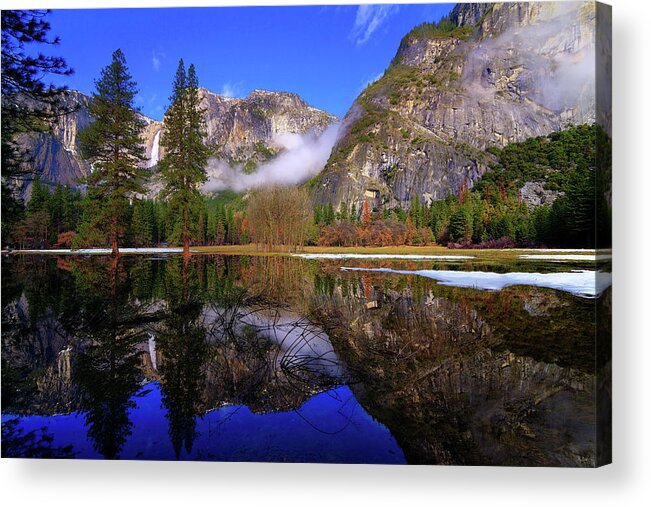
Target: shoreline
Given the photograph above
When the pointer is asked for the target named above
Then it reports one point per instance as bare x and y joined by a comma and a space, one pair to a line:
427, 252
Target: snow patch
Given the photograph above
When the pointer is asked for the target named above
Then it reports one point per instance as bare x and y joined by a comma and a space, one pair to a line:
562, 250
567, 257
84, 251
586, 284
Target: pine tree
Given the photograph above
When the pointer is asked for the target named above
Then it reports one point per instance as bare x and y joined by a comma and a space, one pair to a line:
142, 224
183, 167
400, 213
40, 197
113, 145
230, 226
202, 224
343, 211
55, 209
353, 213
329, 214
70, 213
220, 225
158, 213
28, 104
416, 212
461, 226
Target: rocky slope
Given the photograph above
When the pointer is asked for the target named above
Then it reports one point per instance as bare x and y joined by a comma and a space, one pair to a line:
489, 75
240, 131
56, 155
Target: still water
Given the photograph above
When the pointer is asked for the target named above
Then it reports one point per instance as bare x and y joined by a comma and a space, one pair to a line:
235, 358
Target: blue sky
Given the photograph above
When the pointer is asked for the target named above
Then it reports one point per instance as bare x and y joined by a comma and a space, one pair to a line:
325, 54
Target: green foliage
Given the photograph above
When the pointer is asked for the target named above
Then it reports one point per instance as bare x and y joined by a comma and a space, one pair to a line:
550, 159
183, 167
113, 145
461, 226
28, 103
353, 213
417, 212
249, 167
565, 161
142, 223
91, 230
445, 28
264, 151
328, 214
342, 214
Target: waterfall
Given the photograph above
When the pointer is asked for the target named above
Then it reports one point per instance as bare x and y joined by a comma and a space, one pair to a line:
151, 345
153, 158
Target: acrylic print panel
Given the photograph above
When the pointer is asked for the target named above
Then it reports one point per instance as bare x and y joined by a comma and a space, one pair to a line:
393, 251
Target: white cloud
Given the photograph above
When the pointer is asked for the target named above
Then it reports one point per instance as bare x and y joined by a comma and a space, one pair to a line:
303, 156
231, 90
368, 20
156, 58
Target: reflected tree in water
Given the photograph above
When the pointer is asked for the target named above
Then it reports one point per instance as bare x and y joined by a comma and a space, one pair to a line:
17, 443
181, 340
108, 368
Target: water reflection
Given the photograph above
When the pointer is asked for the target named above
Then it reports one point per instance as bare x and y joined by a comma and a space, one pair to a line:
106, 362
272, 359
180, 340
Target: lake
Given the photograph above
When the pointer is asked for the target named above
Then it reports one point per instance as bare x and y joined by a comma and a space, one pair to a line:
466, 361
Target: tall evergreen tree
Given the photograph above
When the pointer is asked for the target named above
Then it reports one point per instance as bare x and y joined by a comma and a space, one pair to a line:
141, 224
353, 213
28, 103
40, 197
461, 226
416, 212
113, 145
183, 167
343, 211
329, 214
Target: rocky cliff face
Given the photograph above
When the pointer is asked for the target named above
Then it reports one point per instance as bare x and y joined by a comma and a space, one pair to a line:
493, 74
56, 156
240, 131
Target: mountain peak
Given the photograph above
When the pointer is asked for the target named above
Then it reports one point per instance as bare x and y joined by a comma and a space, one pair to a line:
241, 131
485, 76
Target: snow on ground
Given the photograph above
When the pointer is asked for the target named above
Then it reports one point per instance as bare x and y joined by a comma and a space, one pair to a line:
407, 257
84, 251
551, 250
587, 284
567, 257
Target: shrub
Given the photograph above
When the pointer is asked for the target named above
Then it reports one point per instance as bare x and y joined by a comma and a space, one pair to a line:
65, 239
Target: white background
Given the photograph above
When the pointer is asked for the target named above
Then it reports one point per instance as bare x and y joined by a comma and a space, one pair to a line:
625, 483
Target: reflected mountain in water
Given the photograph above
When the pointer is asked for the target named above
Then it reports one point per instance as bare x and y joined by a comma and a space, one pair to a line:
287, 359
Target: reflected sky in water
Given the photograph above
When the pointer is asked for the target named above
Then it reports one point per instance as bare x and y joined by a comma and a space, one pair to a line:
330, 427
286, 359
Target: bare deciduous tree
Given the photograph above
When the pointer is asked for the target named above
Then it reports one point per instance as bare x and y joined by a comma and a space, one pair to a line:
280, 217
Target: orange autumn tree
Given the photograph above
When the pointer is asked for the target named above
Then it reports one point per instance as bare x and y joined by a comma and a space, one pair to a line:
366, 215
